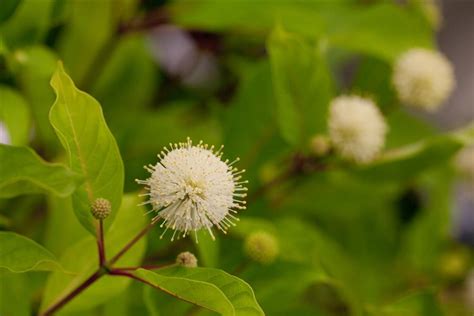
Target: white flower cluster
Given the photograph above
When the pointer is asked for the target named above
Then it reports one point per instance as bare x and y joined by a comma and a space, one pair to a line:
192, 188
357, 128
423, 79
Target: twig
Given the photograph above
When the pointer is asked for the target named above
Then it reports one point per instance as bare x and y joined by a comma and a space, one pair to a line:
131, 243
94, 277
100, 243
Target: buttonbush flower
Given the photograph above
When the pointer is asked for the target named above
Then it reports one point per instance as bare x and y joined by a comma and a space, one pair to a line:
192, 188
357, 128
423, 79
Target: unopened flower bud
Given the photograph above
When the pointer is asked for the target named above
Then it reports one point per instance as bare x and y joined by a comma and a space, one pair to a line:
261, 247
454, 264
320, 145
186, 259
101, 208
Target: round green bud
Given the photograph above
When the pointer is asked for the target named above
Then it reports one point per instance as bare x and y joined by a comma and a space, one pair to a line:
186, 259
101, 208
320, 145
454, 264
261, 247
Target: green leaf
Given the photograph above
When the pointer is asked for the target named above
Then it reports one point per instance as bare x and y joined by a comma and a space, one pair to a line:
82, 260
15, 294
79, 123
129, 78
22, 171
253, 104
302, 84
210, 288
88, 26
34, 72
359, 29
14, 113
21, 254
158, 303
421, 303
8, 8
343, 24
406, 162
208, 249
28, 24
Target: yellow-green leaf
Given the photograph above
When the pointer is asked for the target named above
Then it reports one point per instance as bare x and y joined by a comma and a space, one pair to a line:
80, 125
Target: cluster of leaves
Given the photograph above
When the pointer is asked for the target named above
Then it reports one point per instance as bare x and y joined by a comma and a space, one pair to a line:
353, 240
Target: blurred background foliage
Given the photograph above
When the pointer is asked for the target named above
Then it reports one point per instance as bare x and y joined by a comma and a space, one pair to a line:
256, 76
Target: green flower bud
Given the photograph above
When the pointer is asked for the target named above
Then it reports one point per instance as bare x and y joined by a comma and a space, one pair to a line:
261, 247
101, 208
186, 259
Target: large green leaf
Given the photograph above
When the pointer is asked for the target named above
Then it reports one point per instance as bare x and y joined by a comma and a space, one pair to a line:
420, 303
210, 288
129, 79
407, 161
15, 294
90, 24
254, 104
14, 113
78, 121
21, 254
82, 260
22, 171
302, 84
8, 8
344, 25
28, 24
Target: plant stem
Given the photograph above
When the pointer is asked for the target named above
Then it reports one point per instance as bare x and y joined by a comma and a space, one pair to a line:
103, 267
84, 285
147, 266
100, 243
131, 243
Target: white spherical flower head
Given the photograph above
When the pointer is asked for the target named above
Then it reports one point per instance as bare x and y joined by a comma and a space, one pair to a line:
423, 79
357, 128
192, 188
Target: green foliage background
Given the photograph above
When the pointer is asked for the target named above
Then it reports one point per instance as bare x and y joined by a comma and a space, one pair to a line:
370, 240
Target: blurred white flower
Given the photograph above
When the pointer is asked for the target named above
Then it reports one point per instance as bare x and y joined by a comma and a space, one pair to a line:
192, 188
357, 128
423, 78
4, 135
179, 55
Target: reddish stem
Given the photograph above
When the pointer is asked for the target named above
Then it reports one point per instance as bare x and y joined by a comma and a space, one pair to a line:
131, 243
84, 285
100, 243
147, 266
